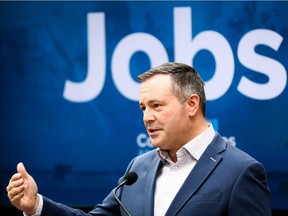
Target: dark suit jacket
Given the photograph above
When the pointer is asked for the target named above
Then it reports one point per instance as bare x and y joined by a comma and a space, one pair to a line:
225, 181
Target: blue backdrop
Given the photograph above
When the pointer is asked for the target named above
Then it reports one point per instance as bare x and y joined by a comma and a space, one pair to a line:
68, 71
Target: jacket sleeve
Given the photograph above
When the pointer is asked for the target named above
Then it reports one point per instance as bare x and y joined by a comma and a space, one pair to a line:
250, 195
108, 207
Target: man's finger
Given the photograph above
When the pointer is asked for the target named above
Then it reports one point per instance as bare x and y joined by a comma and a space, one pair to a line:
21, 169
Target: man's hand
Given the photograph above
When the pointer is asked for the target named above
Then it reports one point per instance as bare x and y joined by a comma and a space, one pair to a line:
22, 191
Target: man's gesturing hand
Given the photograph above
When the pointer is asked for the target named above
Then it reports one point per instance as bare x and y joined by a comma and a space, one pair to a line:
22, 191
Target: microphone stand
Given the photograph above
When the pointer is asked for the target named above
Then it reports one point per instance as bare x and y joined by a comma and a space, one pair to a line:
118, 200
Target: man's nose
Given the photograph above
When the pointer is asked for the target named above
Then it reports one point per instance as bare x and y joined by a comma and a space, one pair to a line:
148, 116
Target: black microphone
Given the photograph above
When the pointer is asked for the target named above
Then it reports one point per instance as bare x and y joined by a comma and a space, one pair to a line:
129, 179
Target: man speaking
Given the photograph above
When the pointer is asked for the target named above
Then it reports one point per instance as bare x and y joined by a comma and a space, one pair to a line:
192, 170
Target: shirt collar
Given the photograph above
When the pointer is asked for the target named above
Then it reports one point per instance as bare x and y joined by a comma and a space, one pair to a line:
194, 147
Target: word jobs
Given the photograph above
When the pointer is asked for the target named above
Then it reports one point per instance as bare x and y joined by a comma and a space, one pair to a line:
185, 49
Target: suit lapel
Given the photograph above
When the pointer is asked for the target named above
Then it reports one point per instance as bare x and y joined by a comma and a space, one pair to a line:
206, 164
150, 185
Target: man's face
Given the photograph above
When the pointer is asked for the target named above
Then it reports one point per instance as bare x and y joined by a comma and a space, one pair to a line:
164, 116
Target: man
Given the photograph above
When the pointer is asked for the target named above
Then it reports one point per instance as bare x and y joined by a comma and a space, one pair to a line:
193, 171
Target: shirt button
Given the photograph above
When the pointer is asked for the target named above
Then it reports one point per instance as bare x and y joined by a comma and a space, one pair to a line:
174, 167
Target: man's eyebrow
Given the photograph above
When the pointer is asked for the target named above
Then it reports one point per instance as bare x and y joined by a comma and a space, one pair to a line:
149, 101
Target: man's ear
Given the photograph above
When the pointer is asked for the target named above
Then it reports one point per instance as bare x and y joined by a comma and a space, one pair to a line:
193, 103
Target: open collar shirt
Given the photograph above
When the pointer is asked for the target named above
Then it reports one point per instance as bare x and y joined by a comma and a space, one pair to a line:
172, 175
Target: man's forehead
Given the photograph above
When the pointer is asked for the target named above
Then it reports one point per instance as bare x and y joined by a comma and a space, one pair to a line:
155, 91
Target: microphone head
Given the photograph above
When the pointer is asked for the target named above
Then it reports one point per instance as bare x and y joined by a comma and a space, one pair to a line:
130, 178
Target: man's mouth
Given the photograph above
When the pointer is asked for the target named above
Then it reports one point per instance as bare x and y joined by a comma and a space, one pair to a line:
153, 130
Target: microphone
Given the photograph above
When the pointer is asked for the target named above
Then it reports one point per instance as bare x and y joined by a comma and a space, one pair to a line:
129, 179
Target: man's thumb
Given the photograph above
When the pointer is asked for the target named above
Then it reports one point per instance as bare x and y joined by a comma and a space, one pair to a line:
21, 169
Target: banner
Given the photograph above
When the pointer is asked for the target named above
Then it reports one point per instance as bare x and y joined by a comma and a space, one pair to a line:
69, 93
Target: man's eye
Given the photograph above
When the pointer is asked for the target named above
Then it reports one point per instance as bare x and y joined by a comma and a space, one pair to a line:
156, 105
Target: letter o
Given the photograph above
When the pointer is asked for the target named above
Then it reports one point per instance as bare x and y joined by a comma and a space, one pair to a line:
121, 60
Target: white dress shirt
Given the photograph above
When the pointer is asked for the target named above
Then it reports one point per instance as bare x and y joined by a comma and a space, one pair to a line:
172, 175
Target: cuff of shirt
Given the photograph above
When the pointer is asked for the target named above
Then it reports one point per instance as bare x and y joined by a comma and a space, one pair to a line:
39, 207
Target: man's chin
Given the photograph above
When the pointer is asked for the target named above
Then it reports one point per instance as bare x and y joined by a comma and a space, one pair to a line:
158, 145
155, 144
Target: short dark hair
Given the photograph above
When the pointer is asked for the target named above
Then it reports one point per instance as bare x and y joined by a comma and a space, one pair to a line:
185, 81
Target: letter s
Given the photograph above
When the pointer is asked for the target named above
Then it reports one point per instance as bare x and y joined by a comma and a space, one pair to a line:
259, 63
